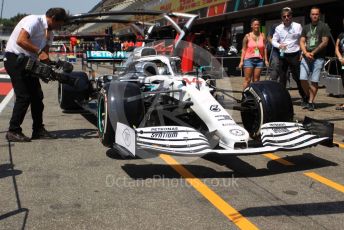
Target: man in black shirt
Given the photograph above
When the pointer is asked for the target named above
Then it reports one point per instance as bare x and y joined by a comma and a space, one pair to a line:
314, 39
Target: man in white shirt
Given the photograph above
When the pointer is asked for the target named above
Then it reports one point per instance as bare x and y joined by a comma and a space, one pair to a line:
287, 39
31, 37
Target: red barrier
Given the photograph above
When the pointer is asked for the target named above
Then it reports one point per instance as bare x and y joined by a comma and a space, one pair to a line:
5, 87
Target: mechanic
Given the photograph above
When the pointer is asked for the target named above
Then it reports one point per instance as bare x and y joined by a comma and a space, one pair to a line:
31, 37
339, 50
253, 54
314, 39
287, 39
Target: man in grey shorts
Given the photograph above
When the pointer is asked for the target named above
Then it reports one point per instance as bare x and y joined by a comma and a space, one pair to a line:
314, 39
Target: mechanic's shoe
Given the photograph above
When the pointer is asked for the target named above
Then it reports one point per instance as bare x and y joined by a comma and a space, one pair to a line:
17, 137
304, 104
311, 107
42, 133
340, 107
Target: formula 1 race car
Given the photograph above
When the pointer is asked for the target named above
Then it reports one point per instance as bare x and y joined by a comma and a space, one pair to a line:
152, 105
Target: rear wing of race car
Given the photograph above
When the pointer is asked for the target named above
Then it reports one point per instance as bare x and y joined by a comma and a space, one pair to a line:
117, 57
112, 17
105, 56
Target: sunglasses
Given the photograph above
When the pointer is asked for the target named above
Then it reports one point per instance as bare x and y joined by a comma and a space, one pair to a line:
286, 16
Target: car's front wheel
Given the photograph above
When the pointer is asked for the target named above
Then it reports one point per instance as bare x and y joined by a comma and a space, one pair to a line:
263, 102
105, 130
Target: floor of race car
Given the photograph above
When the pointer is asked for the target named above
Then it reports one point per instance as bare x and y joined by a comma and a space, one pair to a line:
74, 182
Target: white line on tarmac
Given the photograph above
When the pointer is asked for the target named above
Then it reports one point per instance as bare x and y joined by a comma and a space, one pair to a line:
4, 76
6, 100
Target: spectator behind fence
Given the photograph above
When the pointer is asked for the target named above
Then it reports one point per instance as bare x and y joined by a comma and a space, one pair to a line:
339, 50
287, 39
314, 40
117, 44
253, 54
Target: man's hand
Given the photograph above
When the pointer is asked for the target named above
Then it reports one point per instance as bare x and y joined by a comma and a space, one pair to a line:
266, 63
309, 55
241, 64
283, 46
43, 57
341, 61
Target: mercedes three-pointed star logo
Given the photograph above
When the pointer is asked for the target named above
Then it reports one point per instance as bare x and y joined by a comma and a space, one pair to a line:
126, 137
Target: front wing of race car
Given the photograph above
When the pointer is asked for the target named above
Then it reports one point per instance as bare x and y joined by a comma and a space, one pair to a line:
186, 141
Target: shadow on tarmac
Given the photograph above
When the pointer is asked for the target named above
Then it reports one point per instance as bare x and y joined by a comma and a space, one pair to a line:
159, 171
237, 167
75, 133
8, 170
306, 161
323, 105
307, 209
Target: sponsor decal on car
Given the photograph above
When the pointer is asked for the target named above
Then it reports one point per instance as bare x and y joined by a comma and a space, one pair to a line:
193, 81
106, 55
164, 135
215, 108
126, 137
279, 128
237, 132
223, 117
164, 129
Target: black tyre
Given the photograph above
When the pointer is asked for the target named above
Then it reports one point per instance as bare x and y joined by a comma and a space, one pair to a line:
105, 130
69, 95
126, 108
263, 102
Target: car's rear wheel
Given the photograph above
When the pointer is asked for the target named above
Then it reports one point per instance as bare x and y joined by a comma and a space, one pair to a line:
263, 102
69, 95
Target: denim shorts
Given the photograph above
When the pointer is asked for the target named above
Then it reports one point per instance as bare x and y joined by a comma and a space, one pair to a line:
311, 69
253, 63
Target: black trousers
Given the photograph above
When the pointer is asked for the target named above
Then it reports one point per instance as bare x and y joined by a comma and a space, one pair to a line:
28, 92
293, 62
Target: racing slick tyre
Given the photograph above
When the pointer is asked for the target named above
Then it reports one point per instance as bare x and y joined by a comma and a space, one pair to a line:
263, 102
105, 130
127, 108
68, 95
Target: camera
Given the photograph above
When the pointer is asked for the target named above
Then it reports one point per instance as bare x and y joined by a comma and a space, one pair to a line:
54, 71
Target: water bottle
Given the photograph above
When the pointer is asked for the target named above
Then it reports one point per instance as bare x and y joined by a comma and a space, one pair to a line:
281, 53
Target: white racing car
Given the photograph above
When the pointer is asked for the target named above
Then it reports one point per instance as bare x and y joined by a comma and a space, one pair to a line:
153, 106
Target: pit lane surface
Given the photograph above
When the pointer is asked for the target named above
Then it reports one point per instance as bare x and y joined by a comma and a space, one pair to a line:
76, 183
5, 88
